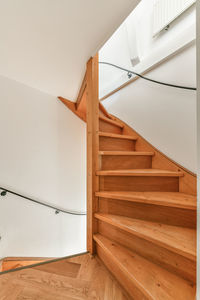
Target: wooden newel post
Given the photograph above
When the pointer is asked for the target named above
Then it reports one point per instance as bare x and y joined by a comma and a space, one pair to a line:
92, 148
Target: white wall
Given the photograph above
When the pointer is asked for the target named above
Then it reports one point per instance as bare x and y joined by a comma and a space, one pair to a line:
164, 116
29, 230
46, 43
42, 155
151, 50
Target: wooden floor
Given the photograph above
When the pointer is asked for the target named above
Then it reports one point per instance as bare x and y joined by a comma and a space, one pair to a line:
77, 278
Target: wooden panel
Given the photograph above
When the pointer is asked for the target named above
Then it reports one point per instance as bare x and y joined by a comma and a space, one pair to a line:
9, 263
139, 275
63, 282
142, 184
155, 213
92, 148
159, 255
122, 277
114, 162
108, 143
63, 268
176, 239
179, 200
109, 127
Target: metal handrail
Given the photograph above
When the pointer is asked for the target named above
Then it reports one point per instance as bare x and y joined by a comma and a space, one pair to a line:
130, 73
57, 210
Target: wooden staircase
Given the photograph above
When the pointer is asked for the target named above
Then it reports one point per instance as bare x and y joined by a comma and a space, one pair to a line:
141, 209
145, 227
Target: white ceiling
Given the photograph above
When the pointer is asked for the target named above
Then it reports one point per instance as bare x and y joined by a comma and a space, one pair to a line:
46, 43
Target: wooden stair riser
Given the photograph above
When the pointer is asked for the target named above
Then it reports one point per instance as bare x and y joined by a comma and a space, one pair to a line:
153, 213
169, 260
115, 162
109, 144
140, 183
108, 127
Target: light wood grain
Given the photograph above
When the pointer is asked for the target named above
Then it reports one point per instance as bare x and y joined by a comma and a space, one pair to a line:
92, 149
139, 183
145, 210
119, 162
126, 153
140, 172
176, 239
143, 279
176, 264
79, 278
179, 200
106, 126
149, 212
18, 263
112, 143
64, 268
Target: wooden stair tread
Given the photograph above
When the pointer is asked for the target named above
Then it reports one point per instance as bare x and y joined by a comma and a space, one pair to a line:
126, 153
117, 136
177, 239
140, 172
170, 199
152, 281
111, 121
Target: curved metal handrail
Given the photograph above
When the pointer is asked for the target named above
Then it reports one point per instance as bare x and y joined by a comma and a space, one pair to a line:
57, 210
129, 73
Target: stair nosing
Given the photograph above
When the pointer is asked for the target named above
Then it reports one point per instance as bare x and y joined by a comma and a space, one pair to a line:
142, 173
126, 153
104, 218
